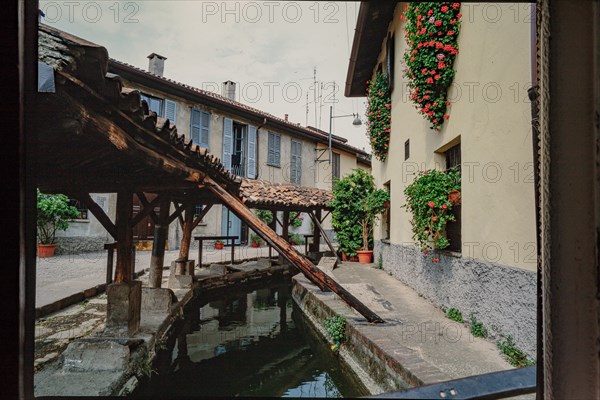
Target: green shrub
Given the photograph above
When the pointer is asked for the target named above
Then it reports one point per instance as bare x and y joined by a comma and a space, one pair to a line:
53, 214
265, 216
455, 315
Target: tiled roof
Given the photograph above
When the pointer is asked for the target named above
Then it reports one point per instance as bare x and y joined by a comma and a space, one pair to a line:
259, 193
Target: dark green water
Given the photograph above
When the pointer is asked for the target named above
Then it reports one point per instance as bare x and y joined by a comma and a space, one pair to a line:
254, 343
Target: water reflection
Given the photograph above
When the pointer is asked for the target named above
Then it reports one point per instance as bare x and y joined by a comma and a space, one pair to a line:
248, 344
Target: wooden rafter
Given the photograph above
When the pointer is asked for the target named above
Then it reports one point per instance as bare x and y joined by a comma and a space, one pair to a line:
178, 210
318, 225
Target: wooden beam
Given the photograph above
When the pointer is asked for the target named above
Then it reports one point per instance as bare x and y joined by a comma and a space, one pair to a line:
124, 237
318, 224
147, 210
202, 214
316, 244
158, 246
313, 273
186, 239
149, 206
98, 212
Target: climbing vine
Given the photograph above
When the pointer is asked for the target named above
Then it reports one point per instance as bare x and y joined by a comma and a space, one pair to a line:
379, 115
431, 32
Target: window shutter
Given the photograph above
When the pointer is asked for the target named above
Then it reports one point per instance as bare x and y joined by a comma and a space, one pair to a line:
277, 150
251, 168
271, 149
205, 130
171, 111
227, 142
195, 127
296, 163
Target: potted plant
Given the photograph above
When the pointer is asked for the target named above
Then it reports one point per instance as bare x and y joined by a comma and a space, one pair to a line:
53, 213
372, 207
255, 240
219, 244
347, 213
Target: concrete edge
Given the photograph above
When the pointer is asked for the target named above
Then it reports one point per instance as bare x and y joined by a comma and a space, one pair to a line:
75, 298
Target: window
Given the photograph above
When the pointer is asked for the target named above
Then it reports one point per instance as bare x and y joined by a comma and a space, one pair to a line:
274, 150
335, 167
406, 149
83, 211
453, 229
154, 104
200, 127
387, 219
296, 163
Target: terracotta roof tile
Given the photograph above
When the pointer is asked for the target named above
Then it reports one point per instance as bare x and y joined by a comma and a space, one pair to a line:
259, 193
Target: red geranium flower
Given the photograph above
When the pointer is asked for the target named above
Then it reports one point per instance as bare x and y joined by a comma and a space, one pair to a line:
425, 252
431, 203
446, 116
435, 260
455, 6
444, 206
429, 80
438, 23
444, 9
429, 13
450, 33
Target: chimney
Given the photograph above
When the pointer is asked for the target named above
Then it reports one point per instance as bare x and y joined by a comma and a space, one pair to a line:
228, 90
285, 116
156, 65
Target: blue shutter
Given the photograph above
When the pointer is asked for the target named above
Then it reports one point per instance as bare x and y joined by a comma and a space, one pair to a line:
205, 130
278, 150
171, 111
195, 126
271, 149
227, 142
251, 168
296, 163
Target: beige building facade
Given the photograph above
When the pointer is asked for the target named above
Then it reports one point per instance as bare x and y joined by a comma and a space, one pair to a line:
490, 269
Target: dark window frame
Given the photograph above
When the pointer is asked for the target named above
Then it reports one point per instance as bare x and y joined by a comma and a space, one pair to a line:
454, 229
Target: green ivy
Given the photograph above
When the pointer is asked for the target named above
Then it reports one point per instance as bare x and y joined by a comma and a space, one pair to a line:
350, 194
379, 115
427, 200
53, 213
431, 31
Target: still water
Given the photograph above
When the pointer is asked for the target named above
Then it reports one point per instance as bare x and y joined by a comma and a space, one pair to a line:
248, 343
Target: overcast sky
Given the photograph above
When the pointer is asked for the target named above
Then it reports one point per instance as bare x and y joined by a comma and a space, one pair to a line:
269, 48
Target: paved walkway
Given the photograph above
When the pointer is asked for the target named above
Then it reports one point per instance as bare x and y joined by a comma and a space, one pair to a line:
61, 276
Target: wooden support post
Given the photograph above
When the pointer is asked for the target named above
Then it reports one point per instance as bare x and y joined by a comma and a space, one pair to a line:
314, 274
273, 226
318, 225
285, 232
161, 229
124, 237
184, 249
316, 243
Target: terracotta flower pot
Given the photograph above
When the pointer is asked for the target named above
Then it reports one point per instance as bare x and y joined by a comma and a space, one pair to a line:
365, 256
344, 258
454, 197
219, 246
254, 244
45, 250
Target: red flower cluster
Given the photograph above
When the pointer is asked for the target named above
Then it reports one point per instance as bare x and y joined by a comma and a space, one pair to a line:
430, 60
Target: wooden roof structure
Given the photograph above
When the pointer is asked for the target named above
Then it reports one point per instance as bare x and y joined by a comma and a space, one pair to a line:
96, 136
280, 196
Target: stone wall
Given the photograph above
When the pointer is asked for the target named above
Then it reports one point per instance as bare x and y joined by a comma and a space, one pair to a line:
502, 298
80, 244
